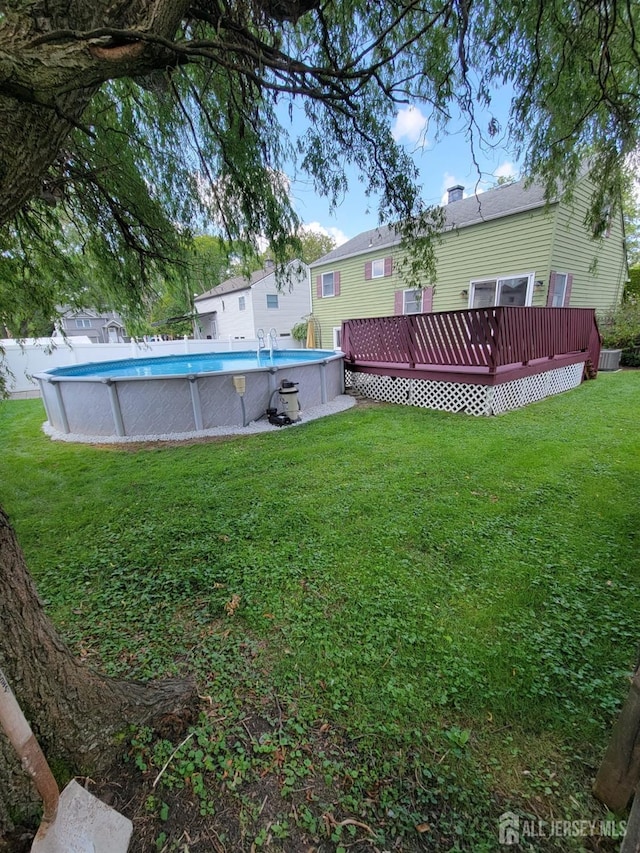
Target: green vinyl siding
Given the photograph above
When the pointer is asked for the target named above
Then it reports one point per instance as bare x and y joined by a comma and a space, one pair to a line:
598, 266
518, 244
500, 247
358, 298
538, 241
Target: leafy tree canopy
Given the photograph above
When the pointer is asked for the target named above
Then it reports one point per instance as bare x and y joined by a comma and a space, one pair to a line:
632, 290
127, 127
307, 246
631, 212
314, 245
207, 263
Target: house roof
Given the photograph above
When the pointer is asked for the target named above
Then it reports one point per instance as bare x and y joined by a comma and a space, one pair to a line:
110, 317
492, 204
241, 282
68, 313
238, 282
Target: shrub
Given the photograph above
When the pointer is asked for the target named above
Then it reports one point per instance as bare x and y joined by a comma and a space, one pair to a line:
620, 329
299, 331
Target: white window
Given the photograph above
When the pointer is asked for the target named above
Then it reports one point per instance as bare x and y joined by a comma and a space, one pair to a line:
241, 303
412, 301
559, 290
337, 337
377, 268
272, 300
83, 324
510, 290
328, 284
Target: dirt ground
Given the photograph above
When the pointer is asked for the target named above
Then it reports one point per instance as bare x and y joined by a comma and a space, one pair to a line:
244, 822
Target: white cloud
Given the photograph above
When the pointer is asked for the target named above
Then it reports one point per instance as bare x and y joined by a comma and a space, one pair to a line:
410, 125
506, 170
339, 236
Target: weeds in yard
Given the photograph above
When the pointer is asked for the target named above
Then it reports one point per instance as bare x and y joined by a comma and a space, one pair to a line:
403, 623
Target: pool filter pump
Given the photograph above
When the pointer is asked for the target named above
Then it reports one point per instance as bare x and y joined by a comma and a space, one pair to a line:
288, 392
290, 414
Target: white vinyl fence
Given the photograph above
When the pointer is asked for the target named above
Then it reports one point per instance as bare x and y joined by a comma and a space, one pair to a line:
21, 360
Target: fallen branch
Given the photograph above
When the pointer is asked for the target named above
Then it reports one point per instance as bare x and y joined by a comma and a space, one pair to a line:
171, 757
349, 821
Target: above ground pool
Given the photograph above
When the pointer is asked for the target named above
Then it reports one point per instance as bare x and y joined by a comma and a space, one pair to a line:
175, 395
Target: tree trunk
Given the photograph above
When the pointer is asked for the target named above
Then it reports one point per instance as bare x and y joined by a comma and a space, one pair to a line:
73, 711
619, 772
45, 87
31, 138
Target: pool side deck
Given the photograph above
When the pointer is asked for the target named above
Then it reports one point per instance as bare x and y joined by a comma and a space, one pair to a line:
483, 361
472, 374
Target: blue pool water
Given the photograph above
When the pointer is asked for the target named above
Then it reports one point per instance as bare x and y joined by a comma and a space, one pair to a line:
184, 365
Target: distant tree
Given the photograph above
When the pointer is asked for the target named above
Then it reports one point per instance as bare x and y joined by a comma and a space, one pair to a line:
632, 289
305, 245
310, 245
206, 263
631, 212
211, 260
127, 127
315, 245
632, 238
171, 310
505, 180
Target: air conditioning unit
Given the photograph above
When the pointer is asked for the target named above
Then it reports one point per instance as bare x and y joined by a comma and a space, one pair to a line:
609, 359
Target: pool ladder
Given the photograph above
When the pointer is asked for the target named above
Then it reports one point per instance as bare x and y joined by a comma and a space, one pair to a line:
273, 341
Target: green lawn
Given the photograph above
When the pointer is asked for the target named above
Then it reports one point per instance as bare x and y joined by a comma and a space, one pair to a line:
453, 599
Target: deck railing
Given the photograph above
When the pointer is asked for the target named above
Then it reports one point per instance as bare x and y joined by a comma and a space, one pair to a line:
488, 338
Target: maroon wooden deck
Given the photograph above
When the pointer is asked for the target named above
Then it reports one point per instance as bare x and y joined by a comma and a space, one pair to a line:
482, 345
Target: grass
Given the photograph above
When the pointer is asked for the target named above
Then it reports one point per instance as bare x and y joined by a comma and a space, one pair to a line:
438, 611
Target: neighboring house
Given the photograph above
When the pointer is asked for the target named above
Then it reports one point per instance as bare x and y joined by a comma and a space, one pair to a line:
501, 247
100, 327
240, 306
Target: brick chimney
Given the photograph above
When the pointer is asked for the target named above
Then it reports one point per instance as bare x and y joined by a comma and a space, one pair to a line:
455, 193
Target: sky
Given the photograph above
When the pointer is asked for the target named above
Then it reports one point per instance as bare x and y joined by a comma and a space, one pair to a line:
442, 163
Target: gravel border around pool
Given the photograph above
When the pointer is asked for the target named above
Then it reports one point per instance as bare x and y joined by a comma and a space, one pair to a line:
339, 404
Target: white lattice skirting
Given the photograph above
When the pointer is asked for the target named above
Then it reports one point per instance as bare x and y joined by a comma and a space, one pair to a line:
463, 397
